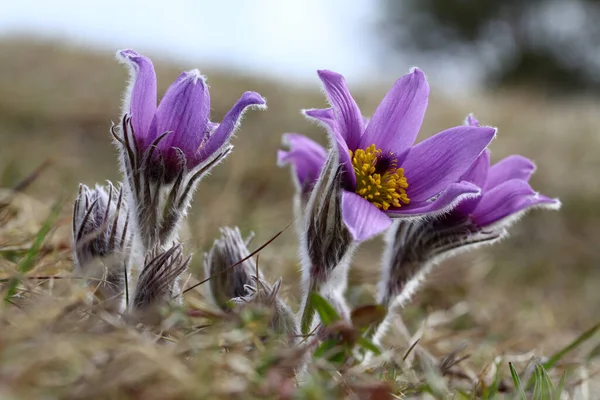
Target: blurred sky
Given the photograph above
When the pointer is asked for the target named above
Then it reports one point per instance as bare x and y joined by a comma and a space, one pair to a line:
285, 38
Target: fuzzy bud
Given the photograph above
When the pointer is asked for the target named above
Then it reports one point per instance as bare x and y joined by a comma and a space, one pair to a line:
102, 242
158, 281
227, 283
326, 244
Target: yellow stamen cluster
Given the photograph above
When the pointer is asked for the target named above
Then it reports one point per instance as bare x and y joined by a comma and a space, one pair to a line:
383, 190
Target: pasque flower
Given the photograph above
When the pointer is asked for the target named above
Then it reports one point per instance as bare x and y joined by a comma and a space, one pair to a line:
383, 175
413, 248
505, 191
167, 148
372, 173
179, 127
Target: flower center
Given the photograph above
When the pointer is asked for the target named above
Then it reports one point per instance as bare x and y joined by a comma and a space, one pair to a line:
384, 185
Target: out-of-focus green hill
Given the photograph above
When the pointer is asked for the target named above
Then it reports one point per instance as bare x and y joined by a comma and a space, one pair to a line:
58, 102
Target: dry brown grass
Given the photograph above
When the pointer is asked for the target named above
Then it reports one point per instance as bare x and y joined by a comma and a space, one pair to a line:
534, 292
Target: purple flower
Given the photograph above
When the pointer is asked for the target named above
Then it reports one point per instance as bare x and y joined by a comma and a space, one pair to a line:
167, 148
505, 192
383, 174
179, 126
414, 248
306, 157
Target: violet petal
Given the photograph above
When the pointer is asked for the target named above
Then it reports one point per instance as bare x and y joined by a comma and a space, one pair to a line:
478, 171
225, 130
505, 199
362, 218
326, 116
455, 193
511, 167
305, 155
322, 115
442, 159
348, 118
184, 111
472, 121
397, 120
141, 93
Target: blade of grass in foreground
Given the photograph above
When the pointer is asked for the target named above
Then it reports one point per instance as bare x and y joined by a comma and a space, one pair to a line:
517, 382
561, 353
28, 261
543, 388
561, 385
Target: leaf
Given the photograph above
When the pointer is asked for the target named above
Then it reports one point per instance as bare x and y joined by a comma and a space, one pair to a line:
493, 389
517, 382
331, 349
366, 316
368, 345
326, 312
28, 261
561, 353
543, 388
561, 386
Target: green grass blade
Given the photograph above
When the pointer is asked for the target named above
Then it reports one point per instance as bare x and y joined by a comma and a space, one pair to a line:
492, 390
561, 353
537, 385
29, 259
561, 386
543, 388
368, 345
517, 382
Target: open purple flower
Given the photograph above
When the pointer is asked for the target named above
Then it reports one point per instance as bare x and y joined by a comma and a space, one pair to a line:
383, 174
179, 126
414, 248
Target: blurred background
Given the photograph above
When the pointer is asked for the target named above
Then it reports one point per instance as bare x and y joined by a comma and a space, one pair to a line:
529, 68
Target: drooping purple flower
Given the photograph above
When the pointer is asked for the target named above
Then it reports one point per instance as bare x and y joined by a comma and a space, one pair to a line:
414, 248
383, 174
505, 191
167, 148
183, 115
